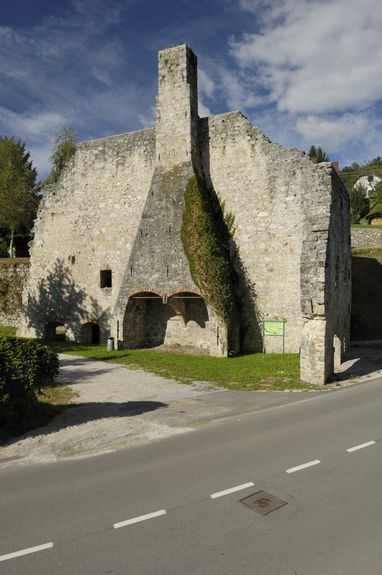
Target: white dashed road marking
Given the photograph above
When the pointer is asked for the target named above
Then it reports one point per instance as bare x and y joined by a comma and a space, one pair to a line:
361, 446
26, 551
303, 466
232, 490
139, 518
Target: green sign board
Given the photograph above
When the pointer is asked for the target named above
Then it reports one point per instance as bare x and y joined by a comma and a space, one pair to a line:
273, 328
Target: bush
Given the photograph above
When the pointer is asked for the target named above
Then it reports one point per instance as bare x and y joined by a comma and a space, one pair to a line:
25, 368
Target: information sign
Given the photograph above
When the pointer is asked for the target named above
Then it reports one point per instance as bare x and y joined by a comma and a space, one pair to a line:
274, 328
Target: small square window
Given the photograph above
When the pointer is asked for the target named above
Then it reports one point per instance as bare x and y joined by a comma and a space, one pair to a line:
105, 278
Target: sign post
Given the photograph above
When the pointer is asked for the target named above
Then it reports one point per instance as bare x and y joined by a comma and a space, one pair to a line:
274, 328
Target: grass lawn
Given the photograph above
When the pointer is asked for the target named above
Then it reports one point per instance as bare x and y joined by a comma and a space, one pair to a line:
11, 261
271, 371
7, 330
247, 372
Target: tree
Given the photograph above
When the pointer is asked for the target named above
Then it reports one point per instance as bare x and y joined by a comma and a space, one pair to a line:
64, 147
18, 193
312, 152
376, 197
359, 204
376, 160
318, 153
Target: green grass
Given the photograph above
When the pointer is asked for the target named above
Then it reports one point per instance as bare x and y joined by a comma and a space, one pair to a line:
50, 402
247, 372
10, 261
7, 330
271, 371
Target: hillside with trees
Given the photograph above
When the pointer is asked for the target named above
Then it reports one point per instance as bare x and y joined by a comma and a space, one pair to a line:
361, 205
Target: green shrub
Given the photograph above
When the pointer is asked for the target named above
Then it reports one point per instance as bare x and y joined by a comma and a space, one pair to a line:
25, 368
11, 293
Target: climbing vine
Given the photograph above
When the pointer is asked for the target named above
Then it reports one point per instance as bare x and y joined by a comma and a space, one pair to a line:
205, 237
10, 293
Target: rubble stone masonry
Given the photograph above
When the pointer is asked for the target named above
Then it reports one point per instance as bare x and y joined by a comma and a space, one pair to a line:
118, 208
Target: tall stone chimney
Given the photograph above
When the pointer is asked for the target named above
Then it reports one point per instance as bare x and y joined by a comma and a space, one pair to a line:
177, 106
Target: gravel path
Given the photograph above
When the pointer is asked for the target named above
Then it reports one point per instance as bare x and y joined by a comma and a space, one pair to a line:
111, 410
118, 407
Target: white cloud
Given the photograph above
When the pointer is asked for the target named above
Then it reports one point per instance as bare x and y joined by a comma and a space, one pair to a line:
335, 132
31, 125
315, 68
206, 89
205, 84
315, 55
203, 110
69, 69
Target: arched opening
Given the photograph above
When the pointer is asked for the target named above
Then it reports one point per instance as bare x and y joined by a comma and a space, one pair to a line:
187, 329
55, 331
190, 306
178, 322
145, 320
90, 333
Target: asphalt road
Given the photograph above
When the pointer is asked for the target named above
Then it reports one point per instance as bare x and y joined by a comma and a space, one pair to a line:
149, 510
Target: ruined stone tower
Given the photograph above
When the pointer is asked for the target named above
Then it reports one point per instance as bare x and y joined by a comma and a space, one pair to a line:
108, 259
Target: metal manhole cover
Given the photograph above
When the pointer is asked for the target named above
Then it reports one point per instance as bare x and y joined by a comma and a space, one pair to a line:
263, 502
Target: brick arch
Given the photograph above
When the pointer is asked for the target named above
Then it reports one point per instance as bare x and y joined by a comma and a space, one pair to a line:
184, 291
146, 289
189, 305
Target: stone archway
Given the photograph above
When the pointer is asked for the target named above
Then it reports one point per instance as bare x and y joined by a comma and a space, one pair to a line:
90, 333
190, 306
180, 320
188, 327
54, 331
145, 320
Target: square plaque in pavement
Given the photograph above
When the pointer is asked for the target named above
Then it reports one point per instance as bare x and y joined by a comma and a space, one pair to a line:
263, 502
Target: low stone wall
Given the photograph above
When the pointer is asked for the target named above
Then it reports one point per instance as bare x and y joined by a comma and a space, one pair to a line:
13, 276
366, 237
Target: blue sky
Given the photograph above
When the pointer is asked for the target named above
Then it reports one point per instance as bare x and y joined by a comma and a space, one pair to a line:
304, 71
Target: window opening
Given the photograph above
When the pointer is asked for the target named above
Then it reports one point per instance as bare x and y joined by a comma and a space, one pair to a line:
105, 279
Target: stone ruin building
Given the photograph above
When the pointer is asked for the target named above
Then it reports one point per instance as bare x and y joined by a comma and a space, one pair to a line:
107, 259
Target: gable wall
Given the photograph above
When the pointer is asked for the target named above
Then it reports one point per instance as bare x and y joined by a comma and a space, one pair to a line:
262, 184
89, 221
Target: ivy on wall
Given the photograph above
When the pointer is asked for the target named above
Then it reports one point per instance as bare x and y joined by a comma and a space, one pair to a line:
10, 293
205, 237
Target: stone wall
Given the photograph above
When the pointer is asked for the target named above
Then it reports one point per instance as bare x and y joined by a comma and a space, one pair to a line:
326, 283
87, 223
118, 208
13, 277
366, 237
